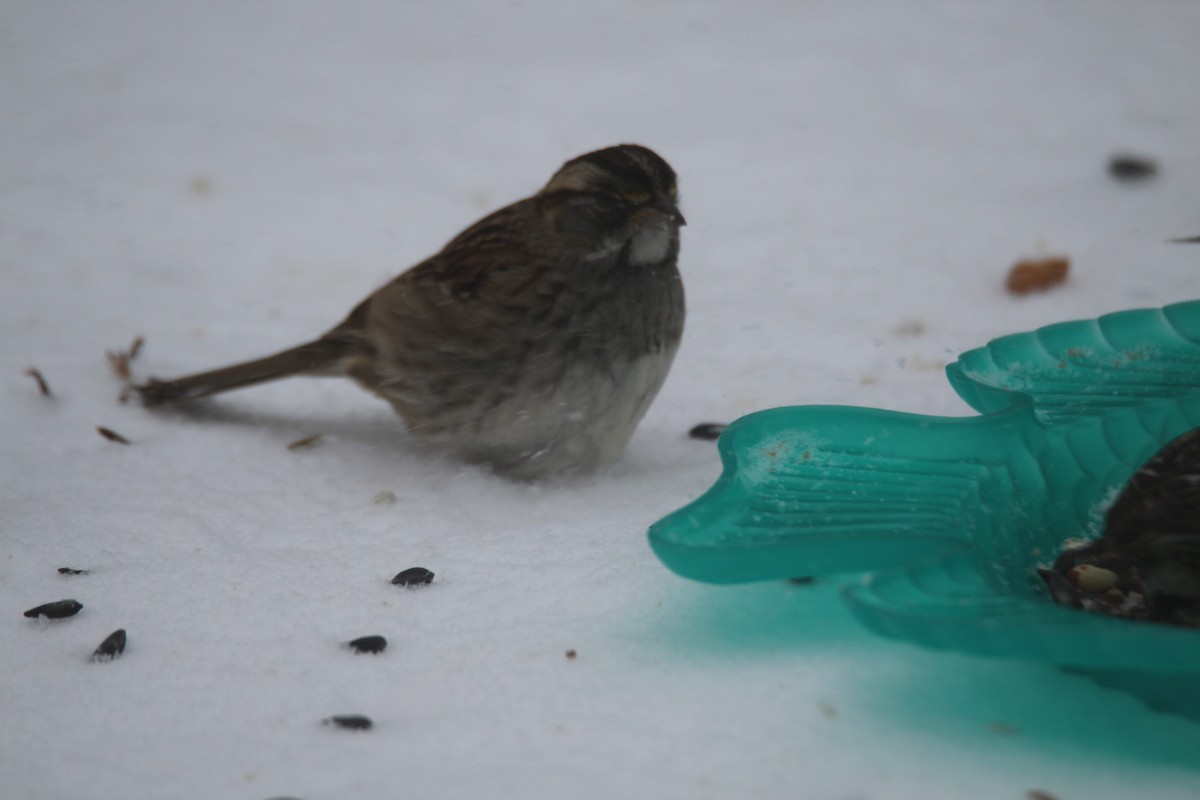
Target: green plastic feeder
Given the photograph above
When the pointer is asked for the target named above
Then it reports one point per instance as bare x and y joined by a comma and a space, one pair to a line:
951, 516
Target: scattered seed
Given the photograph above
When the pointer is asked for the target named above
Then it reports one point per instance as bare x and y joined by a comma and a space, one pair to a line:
1127, 167
803, 580
1036, 275
36, 374
368, 644
354, 722
570, 654
707, 431
1040, 794
413, 576
1187, 240
828, 710
384, 498
912, 327
69, 571
111, 647
1114, 596
307, 441
59, 609
112, 435
1091, 578
1003, 728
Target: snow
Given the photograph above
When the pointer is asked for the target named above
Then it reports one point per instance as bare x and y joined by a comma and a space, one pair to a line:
228, 179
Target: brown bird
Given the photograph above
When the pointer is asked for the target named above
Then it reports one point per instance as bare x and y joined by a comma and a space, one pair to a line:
534, 341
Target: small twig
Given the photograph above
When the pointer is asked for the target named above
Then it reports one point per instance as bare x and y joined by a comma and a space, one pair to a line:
119, 359
43, 387
112, 435
307, 441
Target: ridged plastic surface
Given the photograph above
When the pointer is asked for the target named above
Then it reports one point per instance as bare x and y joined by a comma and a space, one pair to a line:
954, 515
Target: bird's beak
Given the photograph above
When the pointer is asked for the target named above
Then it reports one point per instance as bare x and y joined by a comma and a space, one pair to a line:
665, 206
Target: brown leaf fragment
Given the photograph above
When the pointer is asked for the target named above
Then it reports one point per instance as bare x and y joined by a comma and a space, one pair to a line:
1037, 275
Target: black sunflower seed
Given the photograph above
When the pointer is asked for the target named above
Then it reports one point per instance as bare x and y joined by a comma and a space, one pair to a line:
708, 431
57, 610
1127, 167
368, 644
413, 576
111, 647
354, 722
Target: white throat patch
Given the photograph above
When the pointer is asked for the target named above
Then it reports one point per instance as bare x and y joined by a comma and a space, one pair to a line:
650, 245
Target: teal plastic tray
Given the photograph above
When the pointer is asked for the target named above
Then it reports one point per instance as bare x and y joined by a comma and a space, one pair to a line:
951, 516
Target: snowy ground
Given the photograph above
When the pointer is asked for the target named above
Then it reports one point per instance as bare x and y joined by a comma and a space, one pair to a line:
227, 179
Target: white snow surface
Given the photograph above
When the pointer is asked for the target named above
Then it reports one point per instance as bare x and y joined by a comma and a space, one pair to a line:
228, 179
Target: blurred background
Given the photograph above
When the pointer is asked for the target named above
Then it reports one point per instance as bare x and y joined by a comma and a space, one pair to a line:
227, 179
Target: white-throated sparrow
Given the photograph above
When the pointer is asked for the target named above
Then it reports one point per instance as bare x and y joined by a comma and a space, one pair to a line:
534, 341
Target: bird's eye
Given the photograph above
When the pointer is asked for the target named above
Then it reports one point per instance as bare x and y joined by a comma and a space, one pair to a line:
637, 198
673, 192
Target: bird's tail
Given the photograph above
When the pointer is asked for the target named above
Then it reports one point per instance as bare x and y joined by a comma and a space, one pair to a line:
319, 357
